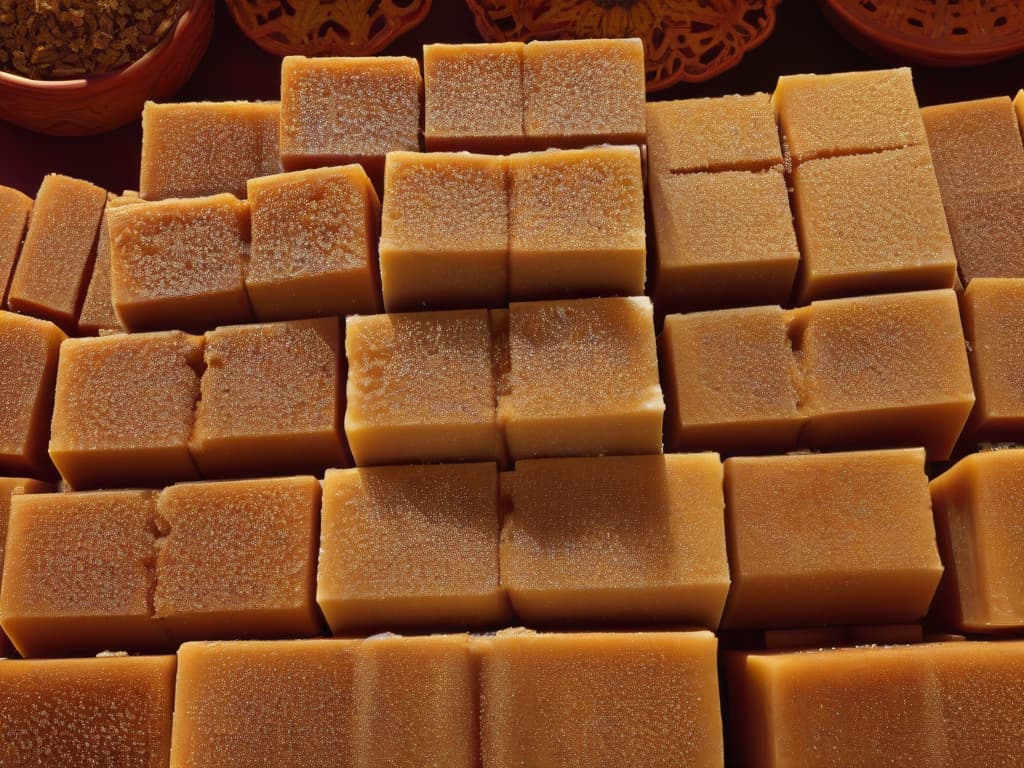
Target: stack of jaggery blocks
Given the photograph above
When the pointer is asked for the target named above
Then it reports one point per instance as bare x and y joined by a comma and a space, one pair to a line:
311, 386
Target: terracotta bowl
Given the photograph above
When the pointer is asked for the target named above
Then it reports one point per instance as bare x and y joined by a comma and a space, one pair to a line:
102, 102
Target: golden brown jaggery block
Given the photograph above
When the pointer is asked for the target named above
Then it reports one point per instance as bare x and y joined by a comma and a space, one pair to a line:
79, 573
1018, 105
977, 516
28, 358
14, 212
271, 400
987, 228
731, 381
941, 704
180, 263
240, 704
50, 277
847, 113
123, 409
993, 315
473, 97
583, 379
840, 538
314, 244
723, 239
885, 371
420, 388
71, 713
871, 224
444, 231
728, 133
98, 309
581, 92
616, 538
11, 486
415, 702
596, 699
410, 547
348, 110
576, 223
205, 148
238, 559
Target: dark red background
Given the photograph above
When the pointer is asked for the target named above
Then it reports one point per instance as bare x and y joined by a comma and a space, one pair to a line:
234, 68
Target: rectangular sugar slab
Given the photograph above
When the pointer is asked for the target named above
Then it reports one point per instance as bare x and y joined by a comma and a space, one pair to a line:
14, 213
615, 539
49, 279
195, 149
10, 487
987, 228
841, 538
98, 309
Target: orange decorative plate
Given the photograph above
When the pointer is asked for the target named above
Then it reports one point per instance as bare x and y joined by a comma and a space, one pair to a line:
326, 27
689, 40
934, 32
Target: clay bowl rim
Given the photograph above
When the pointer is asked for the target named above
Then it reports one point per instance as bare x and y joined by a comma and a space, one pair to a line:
56, 87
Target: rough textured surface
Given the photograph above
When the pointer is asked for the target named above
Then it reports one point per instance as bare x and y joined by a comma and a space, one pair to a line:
412, 547
87, 713
98, 309
583, 379
205, 148
14, 212
314, 244
50, 277
987, 229
616, 538
729, 133
474, 97
847, 113
600, 700
10, 487
871, 223
271, 400
180, 263
420, 388
576, 223
723, 239
841, 538
444, 231
123, 409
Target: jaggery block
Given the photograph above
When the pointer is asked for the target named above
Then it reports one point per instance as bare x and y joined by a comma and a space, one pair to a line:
415, 702
728, 133
581, 92
348, 110
79, 573
28, 358
605, 700
180, 263
731, 381
410, 547
938, 704
420, 388
987, 228
98, 309
9, 487
314, 244
271, 400
123, 409
238, 559
474, 97
847, 113
723, 239
283, 702
72, 713
616, 538
1018, 105
582, 379
576, 223
14, 212
205, 148
444, 231
871, 224
885, 371
993, 315
840, 538
49, 279
977, 515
